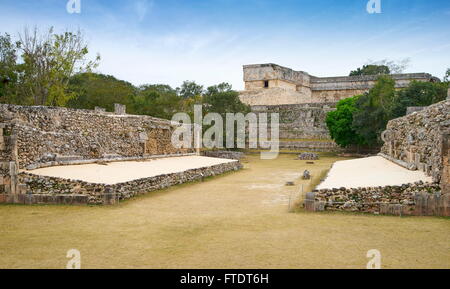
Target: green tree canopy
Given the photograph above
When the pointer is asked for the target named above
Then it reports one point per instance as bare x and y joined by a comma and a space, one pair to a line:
222, 99
94, 89
157, 100
190, 89
8, 69
340, 122
417, 93
447, 75
371, 69
49, 62
373, 110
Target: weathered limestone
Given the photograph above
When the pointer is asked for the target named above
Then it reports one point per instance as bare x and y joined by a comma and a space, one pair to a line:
99, 109
445, 180
417, 141
272, 84
2, 139
54, 135
302, 126
411, 109
308, 156
303, 100
34, 137
232, 155
52, 190
409, 199
120, 109
420, 140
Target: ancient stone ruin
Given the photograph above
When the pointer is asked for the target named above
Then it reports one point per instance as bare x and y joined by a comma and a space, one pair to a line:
272, 84
33, 137
303, 100
308, 156
418, 141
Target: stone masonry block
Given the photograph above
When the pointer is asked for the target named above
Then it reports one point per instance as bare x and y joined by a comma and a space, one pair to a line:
119, 109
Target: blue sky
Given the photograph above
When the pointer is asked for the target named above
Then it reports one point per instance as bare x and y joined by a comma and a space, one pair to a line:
156, 41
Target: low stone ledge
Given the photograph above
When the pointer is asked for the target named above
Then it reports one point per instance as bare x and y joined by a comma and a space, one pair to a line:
53, 190
409, 199
409, 166
232, 155
70, 162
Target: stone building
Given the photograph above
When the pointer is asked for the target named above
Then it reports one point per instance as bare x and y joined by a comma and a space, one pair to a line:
272, 84
303, 100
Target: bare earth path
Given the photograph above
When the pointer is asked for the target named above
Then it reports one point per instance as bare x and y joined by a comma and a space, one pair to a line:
239, 220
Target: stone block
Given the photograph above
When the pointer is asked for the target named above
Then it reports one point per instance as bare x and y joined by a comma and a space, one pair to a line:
119, 109
99, 109
2, 140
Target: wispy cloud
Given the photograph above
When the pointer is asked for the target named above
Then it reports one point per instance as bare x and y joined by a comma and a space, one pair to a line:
142, 8
162, 41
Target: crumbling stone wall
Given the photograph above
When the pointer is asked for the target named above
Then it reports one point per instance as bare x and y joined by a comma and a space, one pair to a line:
52, 135
272, 84
445, 180
52, 190
232, 155
300, 121
8, 160
408, 199
302, 126
419, 140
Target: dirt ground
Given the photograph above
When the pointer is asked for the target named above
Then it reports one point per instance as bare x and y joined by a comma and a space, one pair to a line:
238, 220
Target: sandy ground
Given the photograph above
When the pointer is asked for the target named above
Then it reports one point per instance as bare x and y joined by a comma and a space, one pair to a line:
118, 172
370, 172
235, 220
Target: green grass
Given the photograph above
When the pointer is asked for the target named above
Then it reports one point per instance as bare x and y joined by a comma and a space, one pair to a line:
238, 220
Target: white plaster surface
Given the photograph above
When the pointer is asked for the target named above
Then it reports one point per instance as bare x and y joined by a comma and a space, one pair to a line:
118, 172
369, 172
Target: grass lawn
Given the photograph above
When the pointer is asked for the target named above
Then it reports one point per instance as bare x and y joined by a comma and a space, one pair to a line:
238, 220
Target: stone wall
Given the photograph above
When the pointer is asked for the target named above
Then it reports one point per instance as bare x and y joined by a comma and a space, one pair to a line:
300, 121
287, 86
408, 199
445, 179
50, 190
8, 160
302, 126
231, 155
52, 135
275, 96
34, 136
418, 140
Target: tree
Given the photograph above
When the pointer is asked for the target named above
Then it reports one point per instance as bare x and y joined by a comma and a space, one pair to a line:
394, 66
222, 99
93, 89
373, 110
340, 121
157, 100
8, 68
417, 94
49, 61
190, 89
447, 75
381, 67
371, 69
